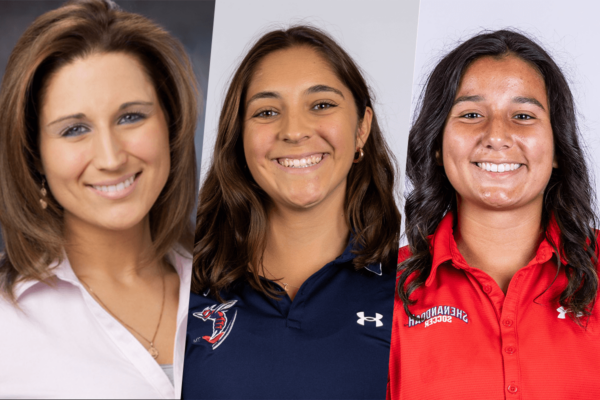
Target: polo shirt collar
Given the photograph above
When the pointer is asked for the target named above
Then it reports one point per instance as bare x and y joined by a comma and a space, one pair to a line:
348, 256
345, 257
444, 246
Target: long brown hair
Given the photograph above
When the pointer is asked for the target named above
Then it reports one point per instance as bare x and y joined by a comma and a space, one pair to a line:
232, 209
34, 236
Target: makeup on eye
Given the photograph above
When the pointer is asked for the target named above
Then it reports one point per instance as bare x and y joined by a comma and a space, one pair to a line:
79, 129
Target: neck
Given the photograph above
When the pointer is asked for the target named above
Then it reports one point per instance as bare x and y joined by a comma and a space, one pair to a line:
103, 254
300, 242
499, 242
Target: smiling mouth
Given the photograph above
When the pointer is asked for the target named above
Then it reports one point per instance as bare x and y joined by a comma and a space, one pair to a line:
300, 162
119, 187
491, 167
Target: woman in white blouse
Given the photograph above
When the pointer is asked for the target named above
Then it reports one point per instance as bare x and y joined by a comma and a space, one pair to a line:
97, 117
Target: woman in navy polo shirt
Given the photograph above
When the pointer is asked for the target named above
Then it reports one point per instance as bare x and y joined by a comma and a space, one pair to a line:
296, 225
498, 284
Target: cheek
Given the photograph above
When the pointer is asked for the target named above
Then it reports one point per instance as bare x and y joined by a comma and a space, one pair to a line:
341, 135
151, 145
258, 140
63, 162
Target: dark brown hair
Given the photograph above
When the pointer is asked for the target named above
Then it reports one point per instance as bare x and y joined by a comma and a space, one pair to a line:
569, 195
34, 236
232, 215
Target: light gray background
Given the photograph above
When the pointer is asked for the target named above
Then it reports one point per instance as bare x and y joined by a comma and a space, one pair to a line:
379, 34
568, 30
189, 21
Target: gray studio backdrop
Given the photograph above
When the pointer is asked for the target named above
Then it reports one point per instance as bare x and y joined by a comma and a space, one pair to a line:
190, 21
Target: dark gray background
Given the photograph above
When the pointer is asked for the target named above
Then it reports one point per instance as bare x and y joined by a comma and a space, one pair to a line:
190, 21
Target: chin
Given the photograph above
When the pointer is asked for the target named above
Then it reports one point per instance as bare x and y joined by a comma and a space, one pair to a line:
498, 200
120, 221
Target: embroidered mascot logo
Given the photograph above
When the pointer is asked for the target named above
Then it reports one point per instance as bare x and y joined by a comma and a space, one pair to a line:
221, 324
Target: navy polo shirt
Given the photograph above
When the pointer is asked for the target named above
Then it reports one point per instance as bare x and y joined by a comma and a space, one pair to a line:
331, 342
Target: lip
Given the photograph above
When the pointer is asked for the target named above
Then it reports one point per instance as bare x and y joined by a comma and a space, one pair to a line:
120, 194
113, 181
302, 155
300, 171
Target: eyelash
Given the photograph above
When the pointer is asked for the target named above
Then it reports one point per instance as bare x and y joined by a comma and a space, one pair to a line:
261, 113
324, 103
470, 115
524, 115
70, 130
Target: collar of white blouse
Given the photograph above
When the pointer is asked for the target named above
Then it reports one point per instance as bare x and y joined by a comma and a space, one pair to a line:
123, 339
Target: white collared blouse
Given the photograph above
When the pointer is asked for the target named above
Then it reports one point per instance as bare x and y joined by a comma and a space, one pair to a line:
60, 343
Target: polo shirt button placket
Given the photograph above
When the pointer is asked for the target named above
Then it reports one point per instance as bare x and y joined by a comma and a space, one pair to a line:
512, 389
487, 289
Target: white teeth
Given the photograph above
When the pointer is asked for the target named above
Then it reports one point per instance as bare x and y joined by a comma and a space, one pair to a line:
115, 188
300, 163
490, 167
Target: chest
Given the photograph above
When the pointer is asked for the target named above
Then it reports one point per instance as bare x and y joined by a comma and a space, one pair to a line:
475, 342
336, 330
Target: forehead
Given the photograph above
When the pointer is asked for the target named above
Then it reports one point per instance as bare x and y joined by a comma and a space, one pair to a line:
297, 67
502, 75
97, 79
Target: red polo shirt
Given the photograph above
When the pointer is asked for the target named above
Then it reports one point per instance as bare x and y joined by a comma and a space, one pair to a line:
478, 343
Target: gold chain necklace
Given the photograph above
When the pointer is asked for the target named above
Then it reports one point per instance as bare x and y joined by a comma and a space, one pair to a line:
152, 350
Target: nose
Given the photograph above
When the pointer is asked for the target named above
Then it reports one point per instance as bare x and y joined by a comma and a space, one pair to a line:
497, 134
295, 128
109, 153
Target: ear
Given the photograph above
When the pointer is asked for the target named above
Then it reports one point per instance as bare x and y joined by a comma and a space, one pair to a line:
554, 162
438, 158
364, 128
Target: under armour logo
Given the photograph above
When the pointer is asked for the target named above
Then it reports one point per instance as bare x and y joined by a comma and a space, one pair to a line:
376, 319
562, 311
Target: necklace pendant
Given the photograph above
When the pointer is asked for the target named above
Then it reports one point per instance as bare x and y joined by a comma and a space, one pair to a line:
285, 286
153, 352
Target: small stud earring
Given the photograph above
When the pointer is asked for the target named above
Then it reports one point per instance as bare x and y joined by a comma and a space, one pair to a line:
43, 192
359, 155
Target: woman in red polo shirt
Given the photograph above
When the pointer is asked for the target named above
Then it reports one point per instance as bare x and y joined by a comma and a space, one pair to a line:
496, 289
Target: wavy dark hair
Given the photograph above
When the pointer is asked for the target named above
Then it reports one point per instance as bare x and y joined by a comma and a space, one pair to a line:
34, 236
569, 195
232, 209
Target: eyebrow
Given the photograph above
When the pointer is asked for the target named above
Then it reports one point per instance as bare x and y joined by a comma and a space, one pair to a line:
310, 90
121, 107
528, 100
461, 99
323, 88
263, 95
516, 100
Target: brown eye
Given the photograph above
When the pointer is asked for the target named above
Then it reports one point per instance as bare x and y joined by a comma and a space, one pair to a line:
523, 116
323, 106
471, 115
266, 114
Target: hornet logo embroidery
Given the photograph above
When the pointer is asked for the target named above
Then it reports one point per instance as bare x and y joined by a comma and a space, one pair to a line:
377, 319
221, 325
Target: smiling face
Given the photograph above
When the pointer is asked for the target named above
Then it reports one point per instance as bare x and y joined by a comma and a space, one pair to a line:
104, 141
498, 149
301, 129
